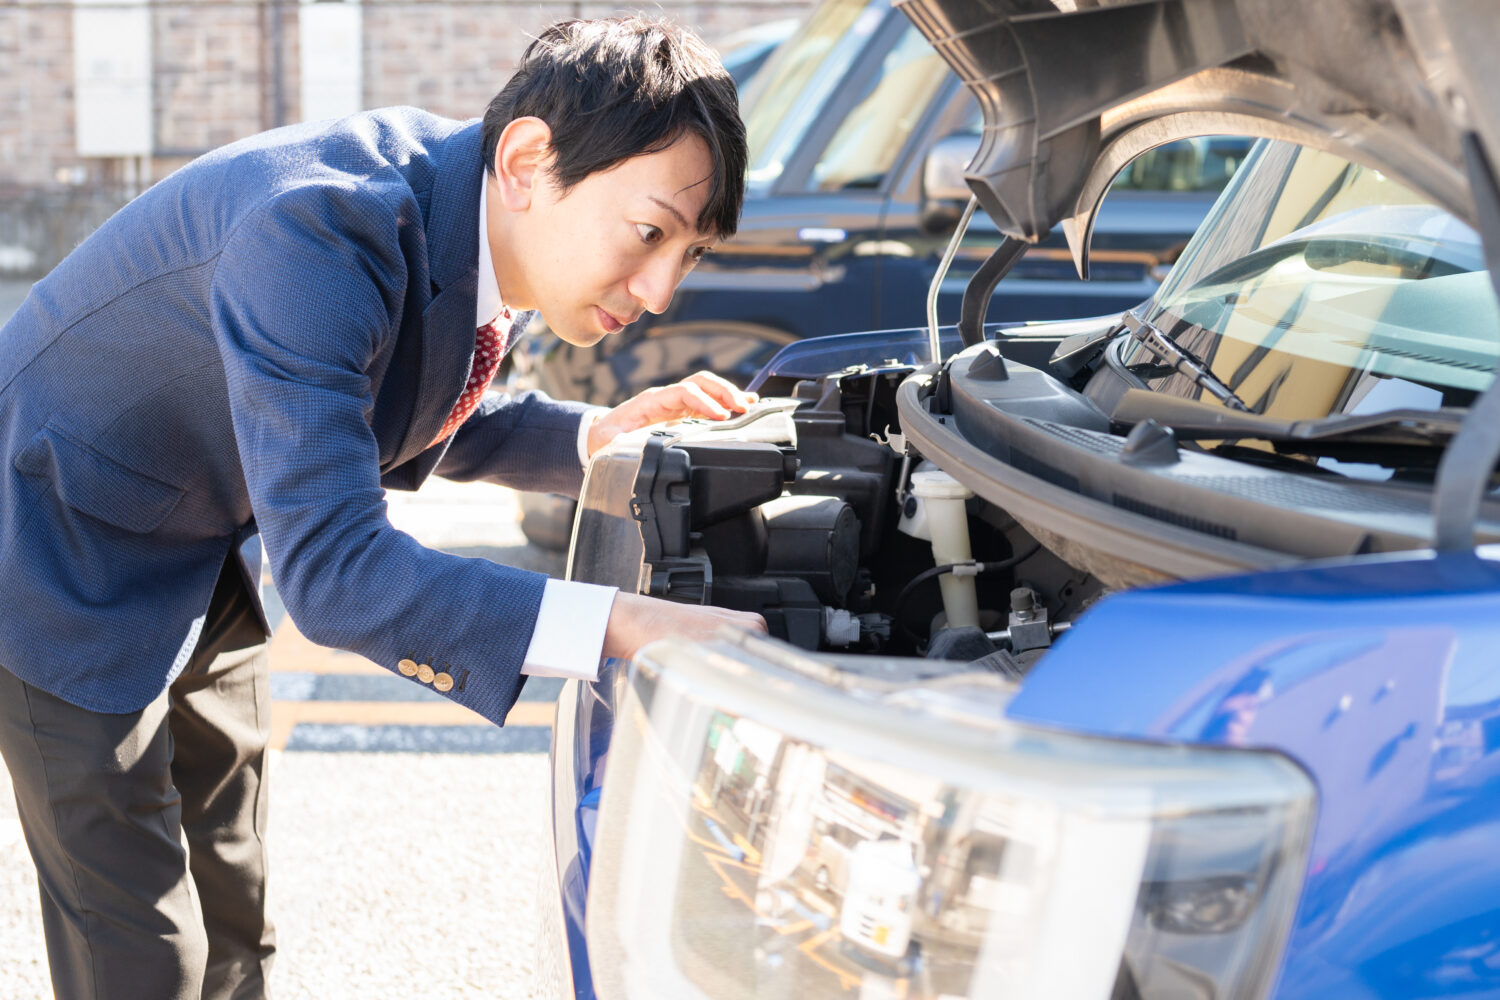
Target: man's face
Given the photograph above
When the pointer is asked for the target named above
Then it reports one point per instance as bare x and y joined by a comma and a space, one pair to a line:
614, 246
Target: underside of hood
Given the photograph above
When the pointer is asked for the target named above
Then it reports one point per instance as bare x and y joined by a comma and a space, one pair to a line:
1072, 90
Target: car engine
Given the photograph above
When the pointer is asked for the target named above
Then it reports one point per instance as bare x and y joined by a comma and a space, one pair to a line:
809, 511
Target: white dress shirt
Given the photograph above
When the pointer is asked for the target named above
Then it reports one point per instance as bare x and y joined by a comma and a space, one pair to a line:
570, 625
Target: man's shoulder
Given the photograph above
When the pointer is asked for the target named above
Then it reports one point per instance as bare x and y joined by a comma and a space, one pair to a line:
395, 135
400, 130
384, 156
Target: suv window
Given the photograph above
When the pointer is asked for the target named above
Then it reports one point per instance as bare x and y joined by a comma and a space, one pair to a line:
785, 98
1202, 164
872, 135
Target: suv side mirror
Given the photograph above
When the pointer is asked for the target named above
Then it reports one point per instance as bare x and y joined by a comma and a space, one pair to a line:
944, 193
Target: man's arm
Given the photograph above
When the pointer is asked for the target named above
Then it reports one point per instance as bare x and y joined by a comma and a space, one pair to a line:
300, 307
526, 442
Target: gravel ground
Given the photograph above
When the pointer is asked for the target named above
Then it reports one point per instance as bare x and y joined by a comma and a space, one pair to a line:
405, 875
392, 875
23, 960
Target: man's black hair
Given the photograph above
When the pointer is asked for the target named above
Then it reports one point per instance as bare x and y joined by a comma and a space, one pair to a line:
620, 87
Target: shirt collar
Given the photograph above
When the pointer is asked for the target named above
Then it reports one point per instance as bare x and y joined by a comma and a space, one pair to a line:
487, 303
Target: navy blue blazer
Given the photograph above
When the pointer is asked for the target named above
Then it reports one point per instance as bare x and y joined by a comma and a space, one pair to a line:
259, 343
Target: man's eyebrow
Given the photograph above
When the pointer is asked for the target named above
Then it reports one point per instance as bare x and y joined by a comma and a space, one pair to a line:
681, 221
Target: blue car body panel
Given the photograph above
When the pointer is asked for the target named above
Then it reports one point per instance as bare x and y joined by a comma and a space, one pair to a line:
580, 741
1377, 675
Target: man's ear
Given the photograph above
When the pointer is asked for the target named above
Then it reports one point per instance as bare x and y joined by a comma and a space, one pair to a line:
520, 157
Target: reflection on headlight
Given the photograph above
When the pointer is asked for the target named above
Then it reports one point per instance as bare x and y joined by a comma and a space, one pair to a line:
1199, 906
773, 829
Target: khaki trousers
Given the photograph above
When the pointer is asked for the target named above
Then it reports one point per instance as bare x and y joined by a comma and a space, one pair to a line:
148, 829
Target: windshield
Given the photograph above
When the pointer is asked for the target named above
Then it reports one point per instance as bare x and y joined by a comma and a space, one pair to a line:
784, 99
876, 129
1319, 287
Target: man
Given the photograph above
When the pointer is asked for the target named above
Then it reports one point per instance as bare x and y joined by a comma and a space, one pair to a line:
253, 349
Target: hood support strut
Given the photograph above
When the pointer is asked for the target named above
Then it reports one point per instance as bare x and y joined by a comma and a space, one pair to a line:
982, 286
1463, 475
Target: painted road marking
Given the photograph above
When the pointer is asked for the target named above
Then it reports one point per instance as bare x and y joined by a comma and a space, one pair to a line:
288, 716
420, 739
290, 685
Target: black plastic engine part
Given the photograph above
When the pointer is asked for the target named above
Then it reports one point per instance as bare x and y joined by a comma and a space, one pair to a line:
853, 467
689, 580
814, 539
732, 477
791, 610
683, 487
661, 500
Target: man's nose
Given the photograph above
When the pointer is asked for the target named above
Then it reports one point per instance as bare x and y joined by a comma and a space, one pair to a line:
653, 285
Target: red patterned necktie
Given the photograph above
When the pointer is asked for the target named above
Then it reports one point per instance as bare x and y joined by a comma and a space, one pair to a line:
489, 348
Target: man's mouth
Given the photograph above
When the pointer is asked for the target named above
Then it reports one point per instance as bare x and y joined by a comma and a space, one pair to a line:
610, 321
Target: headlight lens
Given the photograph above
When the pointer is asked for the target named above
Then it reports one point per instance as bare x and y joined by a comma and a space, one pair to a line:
776, 827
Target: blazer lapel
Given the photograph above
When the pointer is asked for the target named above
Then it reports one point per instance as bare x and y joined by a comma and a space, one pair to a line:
448, 321
453, 220
447, 354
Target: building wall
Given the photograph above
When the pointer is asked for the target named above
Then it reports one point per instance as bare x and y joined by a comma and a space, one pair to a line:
224, 69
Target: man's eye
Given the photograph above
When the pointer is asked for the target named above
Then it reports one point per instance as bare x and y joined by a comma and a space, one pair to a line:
650, 235
696, 254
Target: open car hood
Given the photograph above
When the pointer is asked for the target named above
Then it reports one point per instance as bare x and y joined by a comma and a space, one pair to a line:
1072, 90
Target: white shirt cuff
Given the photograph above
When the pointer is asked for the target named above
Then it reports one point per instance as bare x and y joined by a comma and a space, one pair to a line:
569, 633
584, 426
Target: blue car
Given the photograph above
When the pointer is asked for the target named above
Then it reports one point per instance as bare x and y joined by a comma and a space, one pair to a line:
1146, 655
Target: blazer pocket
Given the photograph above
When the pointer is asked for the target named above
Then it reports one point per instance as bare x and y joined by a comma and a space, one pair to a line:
93, 484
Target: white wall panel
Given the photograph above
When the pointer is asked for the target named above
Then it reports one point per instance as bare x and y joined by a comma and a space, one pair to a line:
332, 59
112, 78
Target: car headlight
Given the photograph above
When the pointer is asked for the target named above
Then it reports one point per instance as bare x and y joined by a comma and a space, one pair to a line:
779, 825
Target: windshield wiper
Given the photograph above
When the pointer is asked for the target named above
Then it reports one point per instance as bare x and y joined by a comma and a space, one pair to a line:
1182, 361
1192, 419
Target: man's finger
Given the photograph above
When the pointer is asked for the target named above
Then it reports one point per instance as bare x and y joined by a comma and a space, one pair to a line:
721, 389
696, 402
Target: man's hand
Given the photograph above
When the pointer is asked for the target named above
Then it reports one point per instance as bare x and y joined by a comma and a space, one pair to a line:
701, 395
635, 620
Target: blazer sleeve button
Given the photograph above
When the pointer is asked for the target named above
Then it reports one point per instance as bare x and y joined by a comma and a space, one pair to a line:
443, 682
424, 673
407, 667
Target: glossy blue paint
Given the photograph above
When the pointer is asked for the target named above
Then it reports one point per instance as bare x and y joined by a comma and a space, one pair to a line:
580, 740
1381, 677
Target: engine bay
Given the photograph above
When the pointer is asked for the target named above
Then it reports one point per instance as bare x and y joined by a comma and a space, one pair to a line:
807, 511
966, 513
